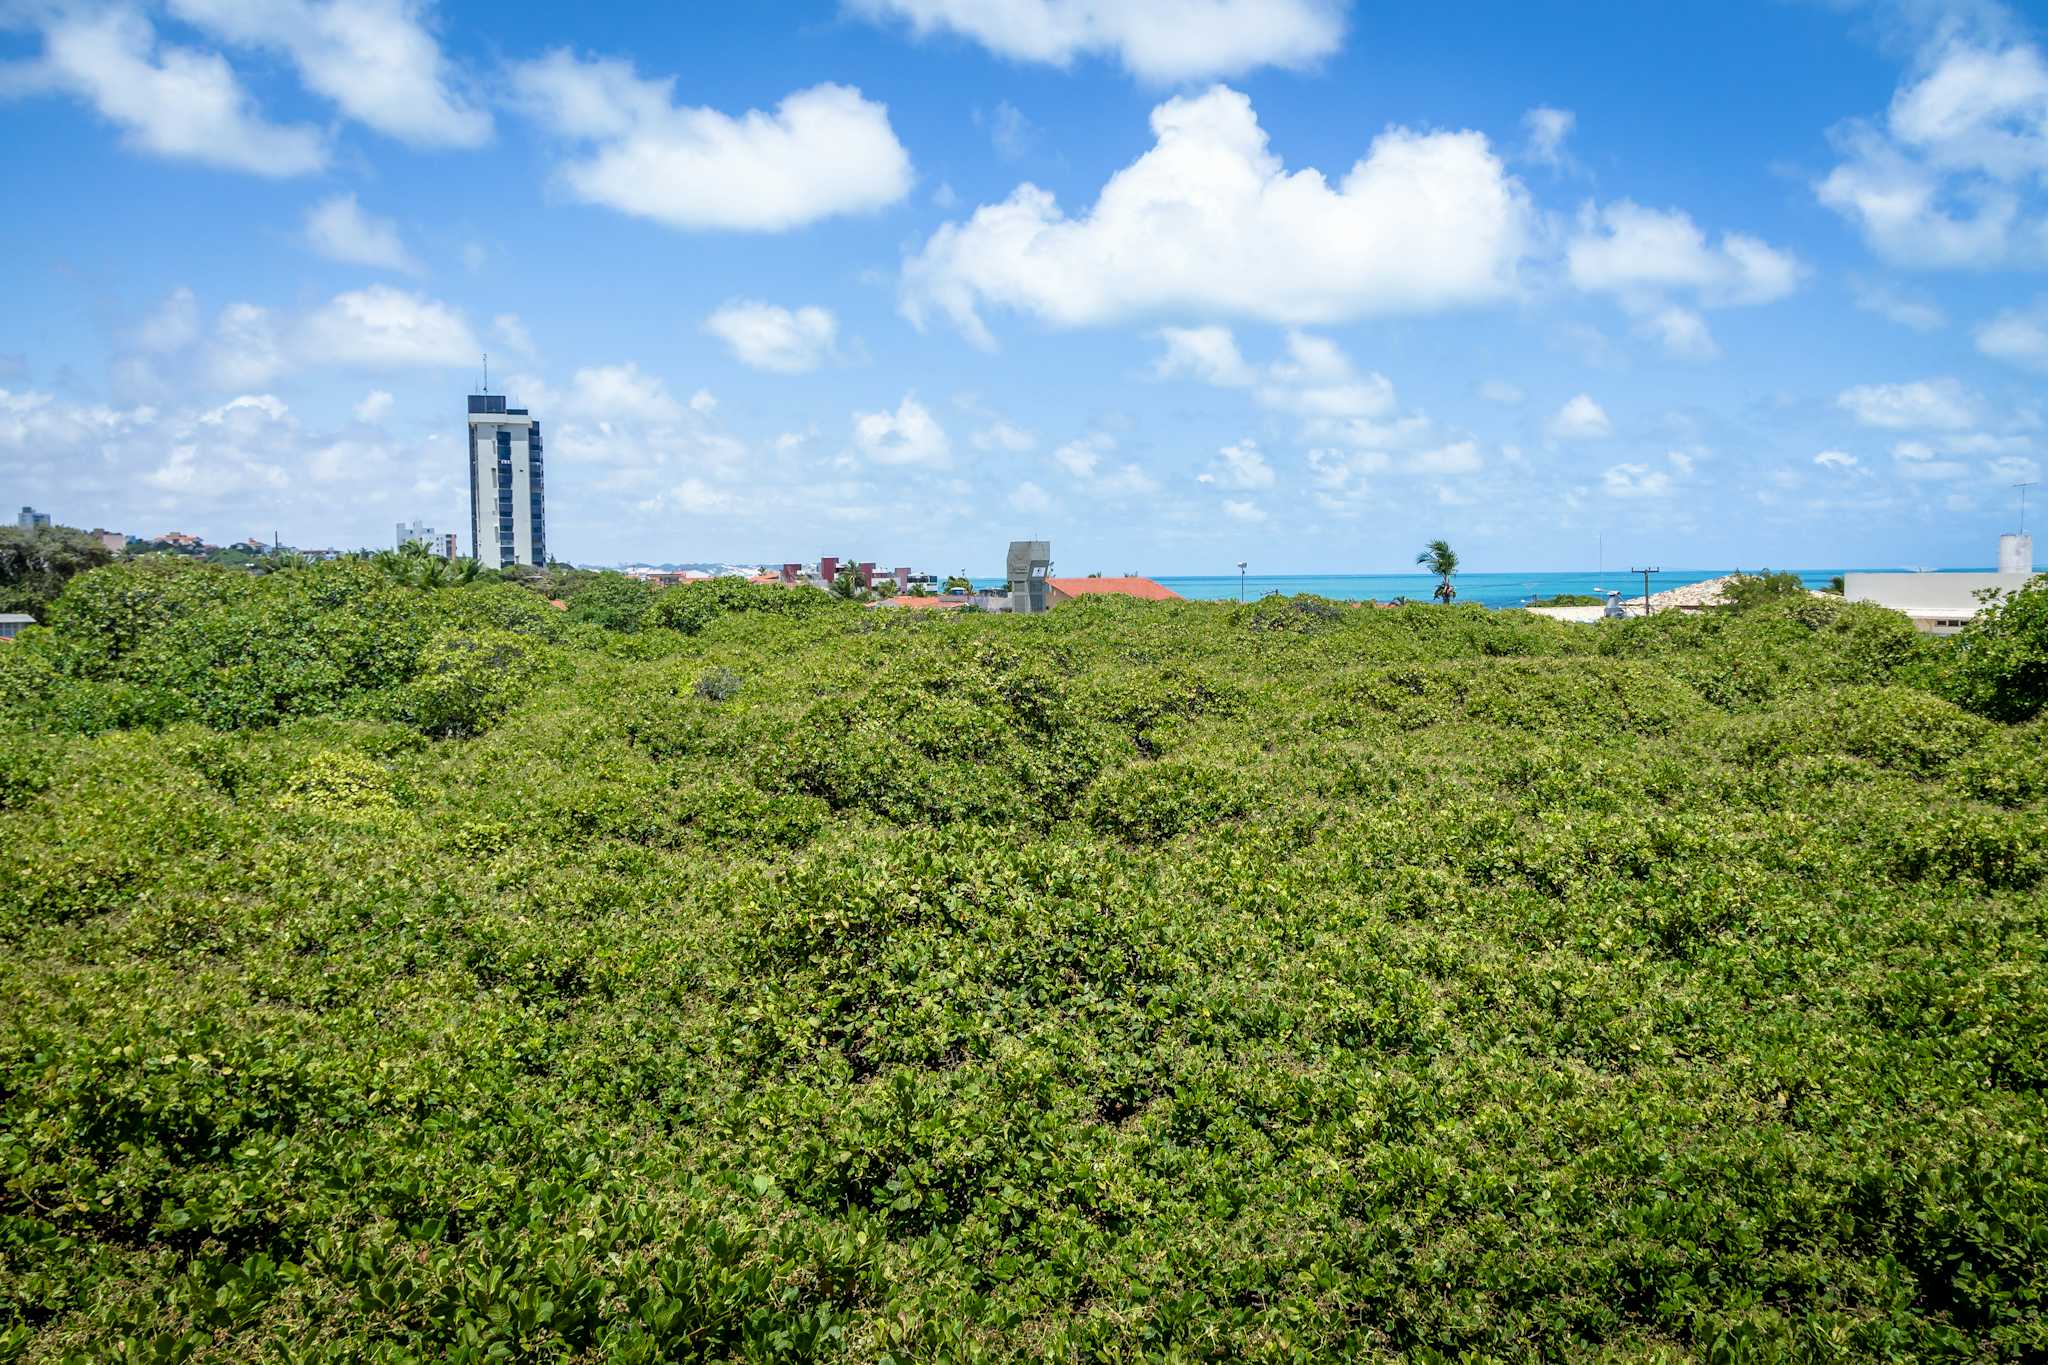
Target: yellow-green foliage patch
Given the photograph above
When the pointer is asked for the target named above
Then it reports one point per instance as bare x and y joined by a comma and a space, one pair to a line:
406, 973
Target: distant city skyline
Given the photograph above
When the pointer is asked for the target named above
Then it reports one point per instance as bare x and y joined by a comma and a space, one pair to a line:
1306, 283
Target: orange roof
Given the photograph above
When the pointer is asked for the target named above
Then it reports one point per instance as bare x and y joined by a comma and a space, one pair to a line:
1129, 587
924, 603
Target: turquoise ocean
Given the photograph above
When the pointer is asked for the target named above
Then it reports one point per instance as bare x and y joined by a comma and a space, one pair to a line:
1487, 589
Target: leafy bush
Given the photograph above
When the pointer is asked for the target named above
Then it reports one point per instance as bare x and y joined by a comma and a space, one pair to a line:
467, 679
1999, 663
1747, 592
690, 607
613, 601
400, 972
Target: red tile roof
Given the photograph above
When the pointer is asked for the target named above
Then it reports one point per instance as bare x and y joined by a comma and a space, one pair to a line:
1129, 587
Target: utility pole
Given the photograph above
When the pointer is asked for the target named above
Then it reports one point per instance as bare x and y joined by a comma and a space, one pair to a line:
2023, 487
1647, 608
1241, 565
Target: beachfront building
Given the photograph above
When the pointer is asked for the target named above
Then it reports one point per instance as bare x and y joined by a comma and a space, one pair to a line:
1937, 603
507, 506
418, 533
1943, 603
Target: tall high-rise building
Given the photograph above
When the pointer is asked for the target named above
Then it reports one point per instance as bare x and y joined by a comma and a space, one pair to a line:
507, 510
32, 520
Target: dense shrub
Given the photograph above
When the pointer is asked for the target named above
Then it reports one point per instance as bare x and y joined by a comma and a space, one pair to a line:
690, 607
1999, 666
614, 602
399, 972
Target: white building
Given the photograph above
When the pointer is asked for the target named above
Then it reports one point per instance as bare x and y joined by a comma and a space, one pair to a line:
418, 533
1938, 603
507, 507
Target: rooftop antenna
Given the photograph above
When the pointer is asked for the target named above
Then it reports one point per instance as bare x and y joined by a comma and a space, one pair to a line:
2023, 487
487, 372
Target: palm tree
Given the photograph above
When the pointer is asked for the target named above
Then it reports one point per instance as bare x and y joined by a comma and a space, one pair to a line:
1440, 559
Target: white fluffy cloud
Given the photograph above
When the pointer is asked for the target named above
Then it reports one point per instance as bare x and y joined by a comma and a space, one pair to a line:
1635, 481
1625, 248
1922, 405
169, 101
1239, 465
2018, 336
1684, 333
1952, 175
1156, 40
374, 59
385, 328
1087, 460
824, 151
1835, 459
769, 337
1581, 419
338, 229
1206, 353
908, 436
375, 406
1209, 220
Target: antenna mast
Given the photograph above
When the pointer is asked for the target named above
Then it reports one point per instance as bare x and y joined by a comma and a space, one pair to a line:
487, 372
2023, 487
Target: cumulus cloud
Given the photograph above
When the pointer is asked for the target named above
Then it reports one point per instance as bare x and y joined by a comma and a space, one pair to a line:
1239, 466
1682, 332
1922, 405
375, 406
2018, 336
385, 328
1155, 40
824, 151
1951, 176
338, 229
623, 393
172, 327
769, 337
1893, 305
1029, 497
1635, 481
1004, 436
1835, 459
1206, 353
1581, 419
169, 101
908, 436
1087, 460
1547, 129
374, 59
1209, 220
1625, 248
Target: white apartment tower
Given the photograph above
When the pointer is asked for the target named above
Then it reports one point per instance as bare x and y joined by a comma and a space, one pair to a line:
507, 510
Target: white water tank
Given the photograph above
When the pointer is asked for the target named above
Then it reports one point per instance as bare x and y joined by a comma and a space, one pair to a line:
2016, 554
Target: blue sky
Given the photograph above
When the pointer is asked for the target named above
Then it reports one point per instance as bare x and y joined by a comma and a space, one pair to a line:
1174, 284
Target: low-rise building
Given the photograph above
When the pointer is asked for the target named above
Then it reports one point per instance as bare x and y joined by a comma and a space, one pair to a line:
12, 622
1936, 603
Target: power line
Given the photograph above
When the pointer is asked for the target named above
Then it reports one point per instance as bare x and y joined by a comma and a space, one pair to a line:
1647, 608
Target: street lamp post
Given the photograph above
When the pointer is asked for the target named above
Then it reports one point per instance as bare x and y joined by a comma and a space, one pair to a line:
1240, 580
